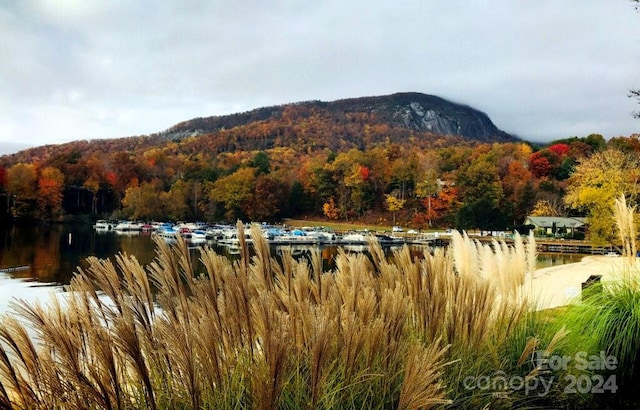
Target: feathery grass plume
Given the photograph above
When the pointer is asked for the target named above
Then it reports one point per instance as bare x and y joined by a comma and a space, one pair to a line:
519, 261
104, 368
532, 253
220, 301
529, 350
271, 359
179, 339
20, 368
262, 261
322, 348
464, 253
244, 249
138, 290
624, 217
62, 332
127, 312
128, 341
487, 261
422, 386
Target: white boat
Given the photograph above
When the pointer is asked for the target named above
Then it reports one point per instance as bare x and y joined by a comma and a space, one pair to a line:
354, 239
197, 236
102, 225
230, 237
168, 232
128, 226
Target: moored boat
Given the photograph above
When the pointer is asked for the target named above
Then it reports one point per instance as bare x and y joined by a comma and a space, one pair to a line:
128, 226
103, 225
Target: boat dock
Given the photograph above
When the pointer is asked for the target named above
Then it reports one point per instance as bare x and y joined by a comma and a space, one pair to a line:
14, 269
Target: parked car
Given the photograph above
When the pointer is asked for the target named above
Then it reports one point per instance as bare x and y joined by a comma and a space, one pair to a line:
397, 229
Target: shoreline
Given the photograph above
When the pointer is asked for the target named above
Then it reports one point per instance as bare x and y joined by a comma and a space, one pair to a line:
561, 285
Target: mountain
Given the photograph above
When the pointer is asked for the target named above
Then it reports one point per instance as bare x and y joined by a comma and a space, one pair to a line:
412, 119
412, 111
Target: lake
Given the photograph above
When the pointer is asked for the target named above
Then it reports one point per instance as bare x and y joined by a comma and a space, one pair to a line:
44, 258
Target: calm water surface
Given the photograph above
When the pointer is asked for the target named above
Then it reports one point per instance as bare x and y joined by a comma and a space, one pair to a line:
47, 257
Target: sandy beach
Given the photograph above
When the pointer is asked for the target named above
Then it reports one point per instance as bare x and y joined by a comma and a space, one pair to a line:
560, 285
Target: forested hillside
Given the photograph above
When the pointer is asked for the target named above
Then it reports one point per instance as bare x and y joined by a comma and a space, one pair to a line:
350, 159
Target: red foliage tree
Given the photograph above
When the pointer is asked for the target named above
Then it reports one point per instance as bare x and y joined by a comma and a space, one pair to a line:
539, 165
561, 150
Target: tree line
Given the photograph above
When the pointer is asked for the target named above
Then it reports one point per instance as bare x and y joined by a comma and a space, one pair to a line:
489, 186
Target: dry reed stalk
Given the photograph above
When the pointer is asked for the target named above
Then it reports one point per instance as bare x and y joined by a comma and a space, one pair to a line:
223, 302
263, 265
62, 331
422, 387
322, 350
272, 357
627, 230
20, 367
179, 339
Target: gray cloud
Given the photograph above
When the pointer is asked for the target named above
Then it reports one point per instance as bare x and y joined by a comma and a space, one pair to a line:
83, 69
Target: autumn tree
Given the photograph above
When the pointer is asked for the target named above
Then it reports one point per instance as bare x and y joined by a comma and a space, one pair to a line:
330, 209
544, 207
143, 201
268, 198
482, 197
626, 144
233, 191
361, 195
50, 186
596, 183
427, 188
481, 214
518, 188
176, 201
404, 173
22, 186
350, 174
316, 177
393, 205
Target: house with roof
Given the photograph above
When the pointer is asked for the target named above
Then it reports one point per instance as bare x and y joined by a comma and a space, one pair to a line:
552, 225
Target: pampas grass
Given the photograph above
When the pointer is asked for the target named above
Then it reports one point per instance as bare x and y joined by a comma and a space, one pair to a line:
266, 333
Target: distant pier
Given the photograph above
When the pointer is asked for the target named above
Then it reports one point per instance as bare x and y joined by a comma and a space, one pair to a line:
14, 269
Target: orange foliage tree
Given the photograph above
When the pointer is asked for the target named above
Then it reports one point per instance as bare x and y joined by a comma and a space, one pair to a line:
50, 187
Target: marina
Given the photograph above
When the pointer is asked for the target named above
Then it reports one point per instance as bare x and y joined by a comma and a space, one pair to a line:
38, 260
280, 235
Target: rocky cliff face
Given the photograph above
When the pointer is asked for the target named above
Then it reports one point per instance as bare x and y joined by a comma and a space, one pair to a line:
422, 112
411, 111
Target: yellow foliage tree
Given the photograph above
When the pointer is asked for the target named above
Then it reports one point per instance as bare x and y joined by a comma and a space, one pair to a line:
595, 185
22, 185
545, 208
393, 205
330, 210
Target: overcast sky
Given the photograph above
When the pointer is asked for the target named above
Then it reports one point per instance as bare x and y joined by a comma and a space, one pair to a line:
541, 69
